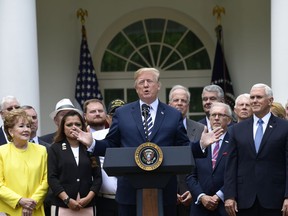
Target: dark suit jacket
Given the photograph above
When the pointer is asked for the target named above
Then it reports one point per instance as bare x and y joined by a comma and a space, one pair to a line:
203, 121
48, 138
206, 180
194, 131
127, 131
2, 136
263, 174
65, 175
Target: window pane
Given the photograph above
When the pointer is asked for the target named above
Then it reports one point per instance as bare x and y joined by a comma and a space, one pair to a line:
131, 95
111, 94
155, 29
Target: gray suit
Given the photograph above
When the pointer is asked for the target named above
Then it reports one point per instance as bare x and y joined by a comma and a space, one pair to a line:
194, 131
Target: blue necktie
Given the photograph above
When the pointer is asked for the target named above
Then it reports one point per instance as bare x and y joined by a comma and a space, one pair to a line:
259, 134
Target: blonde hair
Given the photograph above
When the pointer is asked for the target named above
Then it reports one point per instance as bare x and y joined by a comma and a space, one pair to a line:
278, 110
12, 117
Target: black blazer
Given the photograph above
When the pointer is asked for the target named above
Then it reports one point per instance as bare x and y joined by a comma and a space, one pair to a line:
65, 175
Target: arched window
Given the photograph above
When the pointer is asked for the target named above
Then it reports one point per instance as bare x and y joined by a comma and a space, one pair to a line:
159, 43
165, 39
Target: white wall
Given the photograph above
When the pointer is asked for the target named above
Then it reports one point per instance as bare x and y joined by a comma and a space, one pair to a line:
246, 26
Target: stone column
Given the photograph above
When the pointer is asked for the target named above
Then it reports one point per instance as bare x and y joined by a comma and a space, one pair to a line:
279, 50
19, 52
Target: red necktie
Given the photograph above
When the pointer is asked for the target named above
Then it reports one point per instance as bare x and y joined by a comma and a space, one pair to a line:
215, 154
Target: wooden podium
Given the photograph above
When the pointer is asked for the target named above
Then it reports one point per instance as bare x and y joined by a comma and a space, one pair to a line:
149, 184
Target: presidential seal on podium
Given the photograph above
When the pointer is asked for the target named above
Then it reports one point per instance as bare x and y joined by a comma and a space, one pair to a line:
148, 156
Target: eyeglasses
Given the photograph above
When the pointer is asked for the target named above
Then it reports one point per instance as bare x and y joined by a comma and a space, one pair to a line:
12, 107
220, 115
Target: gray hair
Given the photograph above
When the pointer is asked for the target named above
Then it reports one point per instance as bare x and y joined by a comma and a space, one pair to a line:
7, 99
176, 87
214, 88
244, 95
226, 106
268, 90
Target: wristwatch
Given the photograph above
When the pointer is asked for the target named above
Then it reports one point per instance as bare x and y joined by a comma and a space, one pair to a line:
66, 201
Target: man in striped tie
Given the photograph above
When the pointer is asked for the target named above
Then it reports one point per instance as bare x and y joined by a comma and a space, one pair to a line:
207, 180
127, 131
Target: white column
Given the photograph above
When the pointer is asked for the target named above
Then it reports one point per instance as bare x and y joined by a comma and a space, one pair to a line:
279, 50
18, 51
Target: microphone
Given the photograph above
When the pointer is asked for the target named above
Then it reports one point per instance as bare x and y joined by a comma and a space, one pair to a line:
145, 110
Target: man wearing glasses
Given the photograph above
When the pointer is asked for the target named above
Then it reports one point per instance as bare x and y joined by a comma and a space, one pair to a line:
207, 180
8, 103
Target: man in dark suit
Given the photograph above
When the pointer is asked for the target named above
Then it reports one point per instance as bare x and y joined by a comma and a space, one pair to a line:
34, 126
8, 103
179, 98
207, 180
256, 181
210, 94
127, 131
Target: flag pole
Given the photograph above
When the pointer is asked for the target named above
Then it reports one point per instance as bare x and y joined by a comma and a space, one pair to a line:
87, 86
81, 14
220, 73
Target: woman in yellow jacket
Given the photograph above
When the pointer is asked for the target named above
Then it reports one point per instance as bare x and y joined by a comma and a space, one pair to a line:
23, 169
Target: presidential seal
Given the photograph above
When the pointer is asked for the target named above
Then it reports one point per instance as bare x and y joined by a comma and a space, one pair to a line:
148, 156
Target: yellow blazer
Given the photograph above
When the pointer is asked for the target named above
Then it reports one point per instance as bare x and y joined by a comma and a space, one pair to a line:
23, 173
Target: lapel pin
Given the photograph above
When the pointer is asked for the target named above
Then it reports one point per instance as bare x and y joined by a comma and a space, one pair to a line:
64, 147
226, 141
270, 126
162, 112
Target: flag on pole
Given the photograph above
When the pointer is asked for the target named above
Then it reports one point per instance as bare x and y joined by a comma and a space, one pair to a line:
87, 86
220, 73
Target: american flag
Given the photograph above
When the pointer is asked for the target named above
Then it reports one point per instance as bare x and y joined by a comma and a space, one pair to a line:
220, 73
87, 86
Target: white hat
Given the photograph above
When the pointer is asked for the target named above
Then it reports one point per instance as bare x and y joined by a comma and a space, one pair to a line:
64, 104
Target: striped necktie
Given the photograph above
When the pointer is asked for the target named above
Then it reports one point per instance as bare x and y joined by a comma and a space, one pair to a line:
215, 154
147, 123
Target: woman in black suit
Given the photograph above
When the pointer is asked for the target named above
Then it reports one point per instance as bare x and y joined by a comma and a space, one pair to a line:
74, 177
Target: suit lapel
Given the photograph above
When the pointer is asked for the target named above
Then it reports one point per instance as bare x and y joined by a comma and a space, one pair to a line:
190, 129
137, 116
249, 132
270, 127
222, 150
158, 120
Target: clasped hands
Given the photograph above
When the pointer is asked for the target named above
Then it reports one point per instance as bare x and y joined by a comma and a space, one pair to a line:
28, 205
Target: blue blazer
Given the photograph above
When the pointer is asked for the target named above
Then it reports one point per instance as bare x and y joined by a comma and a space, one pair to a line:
206, 180
127, 131
263, 174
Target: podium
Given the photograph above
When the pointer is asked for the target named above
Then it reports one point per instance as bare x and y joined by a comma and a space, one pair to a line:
149, 184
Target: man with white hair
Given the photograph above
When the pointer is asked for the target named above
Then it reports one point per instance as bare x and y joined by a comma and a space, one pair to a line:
7, 104
242, 107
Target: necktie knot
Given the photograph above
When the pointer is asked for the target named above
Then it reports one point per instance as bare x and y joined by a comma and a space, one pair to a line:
260, 122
